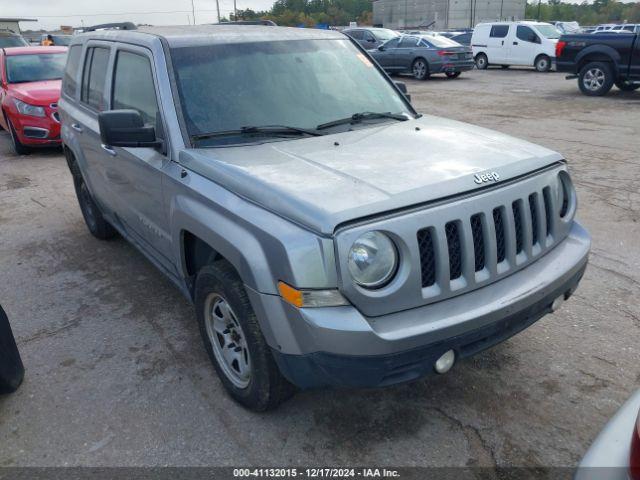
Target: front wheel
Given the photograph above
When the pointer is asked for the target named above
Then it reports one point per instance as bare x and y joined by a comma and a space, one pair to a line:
482, 62
452, 74
595, 79
626, 87
542, 63
18, 146
234, 341
420, 69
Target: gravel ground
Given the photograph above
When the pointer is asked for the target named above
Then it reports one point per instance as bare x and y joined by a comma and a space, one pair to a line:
116, 374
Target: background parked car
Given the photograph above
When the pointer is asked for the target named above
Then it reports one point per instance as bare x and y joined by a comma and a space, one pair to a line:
615, 453
30, 88
423, 56
371, 37
10, 39
600, 61
515, 43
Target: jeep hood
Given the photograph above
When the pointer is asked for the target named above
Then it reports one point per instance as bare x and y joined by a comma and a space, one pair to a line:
322, 182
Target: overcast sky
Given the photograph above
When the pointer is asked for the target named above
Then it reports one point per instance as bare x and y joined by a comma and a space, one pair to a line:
53, 13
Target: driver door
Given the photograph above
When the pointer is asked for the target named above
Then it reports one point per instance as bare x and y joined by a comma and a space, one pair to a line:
386, 54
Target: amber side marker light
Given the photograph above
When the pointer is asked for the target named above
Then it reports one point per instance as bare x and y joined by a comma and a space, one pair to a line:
311, 298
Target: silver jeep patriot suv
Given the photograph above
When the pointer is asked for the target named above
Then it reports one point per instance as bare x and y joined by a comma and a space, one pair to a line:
327, 234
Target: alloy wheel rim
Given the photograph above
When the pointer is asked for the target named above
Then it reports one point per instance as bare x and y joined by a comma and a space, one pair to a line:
419, 69
228, 340
594, 79
480, 62
542, 64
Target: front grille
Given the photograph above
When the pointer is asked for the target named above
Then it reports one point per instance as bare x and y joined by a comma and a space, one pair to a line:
478, 241
455, 250
494, 236
427, 257
501, 248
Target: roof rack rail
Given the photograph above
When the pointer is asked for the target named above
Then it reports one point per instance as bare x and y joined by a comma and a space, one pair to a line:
111, 26
269, 23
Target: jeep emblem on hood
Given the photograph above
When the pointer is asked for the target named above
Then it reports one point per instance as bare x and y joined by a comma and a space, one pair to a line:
486, 177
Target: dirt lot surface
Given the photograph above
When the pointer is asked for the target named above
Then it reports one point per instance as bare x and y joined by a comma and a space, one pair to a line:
116, 374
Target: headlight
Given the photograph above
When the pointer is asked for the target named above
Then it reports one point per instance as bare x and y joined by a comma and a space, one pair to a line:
31, 110
373, 260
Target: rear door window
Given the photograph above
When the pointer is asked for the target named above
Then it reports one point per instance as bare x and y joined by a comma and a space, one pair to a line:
499, 31
133, 86
69, 83
408, 42
357, 34
94, 77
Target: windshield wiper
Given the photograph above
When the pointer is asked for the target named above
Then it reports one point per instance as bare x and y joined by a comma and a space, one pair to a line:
359, 117
264, 129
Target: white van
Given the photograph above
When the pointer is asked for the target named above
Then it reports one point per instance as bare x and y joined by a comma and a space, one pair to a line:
515, 43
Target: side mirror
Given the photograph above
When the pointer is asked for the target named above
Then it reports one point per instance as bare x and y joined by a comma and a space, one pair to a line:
126, 128
403, 88
381, 48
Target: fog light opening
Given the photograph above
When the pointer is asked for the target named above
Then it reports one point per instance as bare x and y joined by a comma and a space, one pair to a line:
557, 303
445, 362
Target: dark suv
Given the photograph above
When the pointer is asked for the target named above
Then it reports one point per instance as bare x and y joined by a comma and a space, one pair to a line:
371, 38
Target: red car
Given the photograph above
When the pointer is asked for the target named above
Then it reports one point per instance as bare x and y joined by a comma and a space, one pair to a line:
30, 79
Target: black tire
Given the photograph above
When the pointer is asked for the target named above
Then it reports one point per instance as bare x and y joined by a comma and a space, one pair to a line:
595, 79
266, 388
420, 69
452, 74
542, 63
18, 146
482, 62
11, 367
91, 213
626, 87
504, 67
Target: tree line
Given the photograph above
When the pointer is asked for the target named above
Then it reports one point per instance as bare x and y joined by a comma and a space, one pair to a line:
341, 12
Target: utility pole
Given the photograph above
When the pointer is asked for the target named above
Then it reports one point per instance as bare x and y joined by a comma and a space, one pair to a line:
193, 12
539, 4
217, 9
235, 11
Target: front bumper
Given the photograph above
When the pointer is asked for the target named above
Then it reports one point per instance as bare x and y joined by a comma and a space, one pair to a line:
38, 131
339, 346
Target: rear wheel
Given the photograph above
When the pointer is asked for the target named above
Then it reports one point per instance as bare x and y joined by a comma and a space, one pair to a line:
542, 63
482, 62
91, 213
452, 74
420, 69
18, 146
234, 341
626, 87
595, 79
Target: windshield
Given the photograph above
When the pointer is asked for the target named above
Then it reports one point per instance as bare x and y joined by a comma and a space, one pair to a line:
548, 31
301, 83
439, 41
7, 41
35, 68
383, 34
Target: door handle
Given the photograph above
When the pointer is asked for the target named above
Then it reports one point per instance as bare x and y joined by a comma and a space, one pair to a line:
502, 42
515, 43
109, 150
76, 127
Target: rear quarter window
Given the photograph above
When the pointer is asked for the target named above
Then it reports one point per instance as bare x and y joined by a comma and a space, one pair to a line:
69, 82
